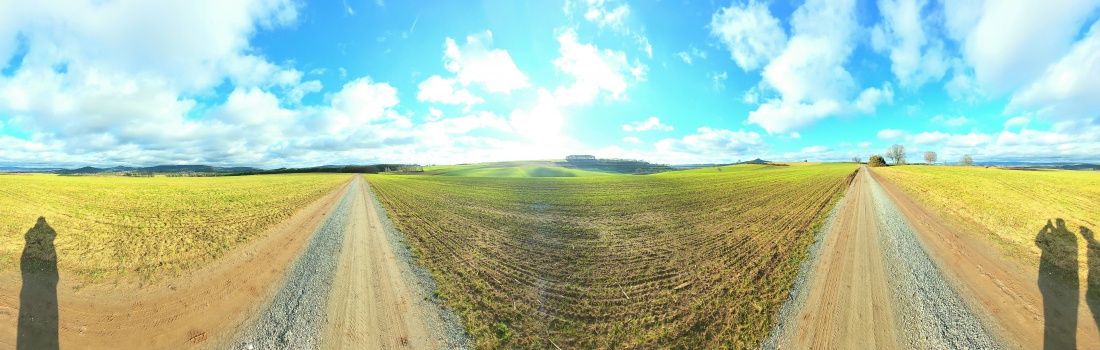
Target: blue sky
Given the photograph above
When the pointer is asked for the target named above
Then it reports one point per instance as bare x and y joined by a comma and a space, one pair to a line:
275, 83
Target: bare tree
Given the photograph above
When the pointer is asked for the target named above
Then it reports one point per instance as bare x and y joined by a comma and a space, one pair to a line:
966, 160
930, 157
856, 159
896, 153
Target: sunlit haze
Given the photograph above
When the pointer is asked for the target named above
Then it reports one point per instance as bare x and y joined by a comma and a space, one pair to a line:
273, 83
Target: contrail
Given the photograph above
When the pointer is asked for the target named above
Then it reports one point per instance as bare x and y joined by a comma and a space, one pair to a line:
414, 23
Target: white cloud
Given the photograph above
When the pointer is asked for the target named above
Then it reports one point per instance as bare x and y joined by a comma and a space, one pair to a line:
364, 101
864, 144
613, 15
475, 62
951, 121
891, 134
694, 52
1026, 144
750, 33
718, 80
433, 114
613, 18
916, 56
780, 116
1070, 88
190, 46
809, 74
478, 62
446, 91
872, 97
542, 123
714, 144
632, 139
1010, 43
684, 56
816, 153
653, 123
930, 138
594, 71
1017, 121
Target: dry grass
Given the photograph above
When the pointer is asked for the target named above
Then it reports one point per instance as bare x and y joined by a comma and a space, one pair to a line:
117, 227
1010, 207
675, 260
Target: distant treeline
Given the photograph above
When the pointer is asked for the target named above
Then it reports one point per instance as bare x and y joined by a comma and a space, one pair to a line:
360, 169
615, 165
205, 170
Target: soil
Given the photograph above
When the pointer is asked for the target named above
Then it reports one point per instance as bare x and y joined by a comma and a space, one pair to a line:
848, 306
372, 306
871, 284
199, 308
888, 273
1005, 292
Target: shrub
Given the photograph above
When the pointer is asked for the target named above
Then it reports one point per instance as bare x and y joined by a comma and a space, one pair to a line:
876, 160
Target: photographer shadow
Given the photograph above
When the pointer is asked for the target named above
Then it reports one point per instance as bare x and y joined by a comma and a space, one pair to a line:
38, 297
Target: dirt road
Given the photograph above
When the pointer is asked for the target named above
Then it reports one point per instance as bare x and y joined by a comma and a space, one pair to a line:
336, 275
1006, 293
198, 308
353, 289
372, 306
871, 285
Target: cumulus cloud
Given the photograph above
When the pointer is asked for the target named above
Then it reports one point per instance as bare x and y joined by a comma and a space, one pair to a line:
903, 34
1070, 88
807, 71
190, 46
1017, 122
478, 62
653, 123
749, 32
632, 139
816, 152
951, 121
475, 62
603, 16
715, 143
594, 71
1026, 144
891, 134
1011, 43
611, 14
447, 91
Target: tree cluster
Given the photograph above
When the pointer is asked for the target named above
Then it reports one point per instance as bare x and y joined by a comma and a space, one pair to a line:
876, 161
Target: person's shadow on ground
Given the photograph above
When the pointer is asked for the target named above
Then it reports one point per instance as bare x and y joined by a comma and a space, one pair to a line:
1058, 282
38, 298
1092, 294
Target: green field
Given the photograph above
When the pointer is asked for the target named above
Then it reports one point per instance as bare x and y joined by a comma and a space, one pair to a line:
122, 226
1010, 207
678, 259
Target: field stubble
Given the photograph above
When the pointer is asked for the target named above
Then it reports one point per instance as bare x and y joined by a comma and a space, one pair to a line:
671, 260
114, 227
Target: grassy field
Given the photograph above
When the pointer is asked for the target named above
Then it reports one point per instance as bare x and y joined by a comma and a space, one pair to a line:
1009, 206
120, 226
678, 259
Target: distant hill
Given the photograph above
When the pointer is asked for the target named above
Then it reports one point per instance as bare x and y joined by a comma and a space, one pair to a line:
614, 165
156, 169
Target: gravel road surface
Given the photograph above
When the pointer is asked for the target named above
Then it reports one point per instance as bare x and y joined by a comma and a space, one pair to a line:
870, 284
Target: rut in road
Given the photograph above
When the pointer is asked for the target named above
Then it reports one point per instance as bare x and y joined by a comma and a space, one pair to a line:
353, 289
870, 284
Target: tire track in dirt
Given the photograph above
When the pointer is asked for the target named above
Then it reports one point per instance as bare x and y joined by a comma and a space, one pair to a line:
353, 289
200, 308
869, 284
